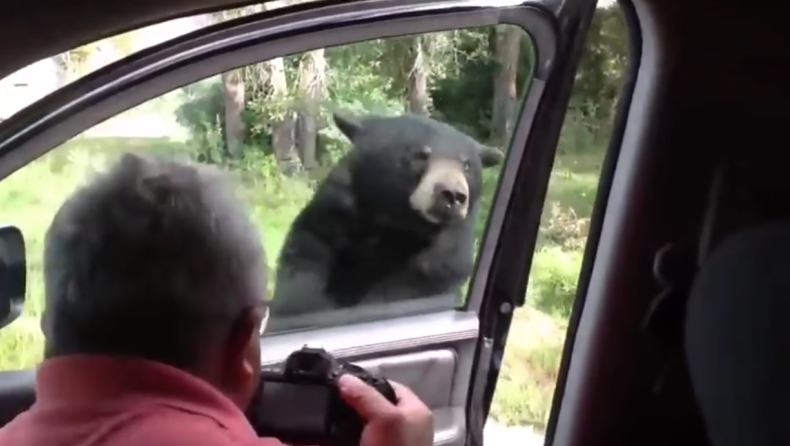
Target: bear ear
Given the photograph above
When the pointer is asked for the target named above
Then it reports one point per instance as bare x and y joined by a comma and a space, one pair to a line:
490, 156
347, 125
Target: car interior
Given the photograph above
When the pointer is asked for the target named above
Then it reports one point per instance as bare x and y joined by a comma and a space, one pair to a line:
693, 175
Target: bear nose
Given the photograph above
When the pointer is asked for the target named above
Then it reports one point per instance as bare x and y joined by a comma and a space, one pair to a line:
450, 195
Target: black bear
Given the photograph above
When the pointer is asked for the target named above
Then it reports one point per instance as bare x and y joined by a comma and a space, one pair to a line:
392, 221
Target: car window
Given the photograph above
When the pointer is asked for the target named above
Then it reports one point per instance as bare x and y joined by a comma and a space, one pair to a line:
429, 118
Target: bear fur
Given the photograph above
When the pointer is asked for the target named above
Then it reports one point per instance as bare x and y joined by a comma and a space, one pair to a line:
392, 221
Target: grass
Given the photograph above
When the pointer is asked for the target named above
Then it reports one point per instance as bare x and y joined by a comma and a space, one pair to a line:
529, 369
574, 181
30, 197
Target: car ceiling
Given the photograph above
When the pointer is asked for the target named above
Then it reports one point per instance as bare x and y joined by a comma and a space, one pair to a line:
47, 27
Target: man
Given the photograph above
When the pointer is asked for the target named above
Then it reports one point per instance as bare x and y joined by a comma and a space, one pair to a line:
155, 298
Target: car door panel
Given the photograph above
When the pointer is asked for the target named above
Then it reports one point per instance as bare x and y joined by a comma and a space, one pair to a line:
444, 355
429, 363
430, 372
409, 349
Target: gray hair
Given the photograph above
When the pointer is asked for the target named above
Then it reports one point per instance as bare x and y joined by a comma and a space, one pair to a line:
148, 260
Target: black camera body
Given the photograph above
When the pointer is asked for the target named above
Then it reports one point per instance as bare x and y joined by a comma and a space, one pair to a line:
300, 403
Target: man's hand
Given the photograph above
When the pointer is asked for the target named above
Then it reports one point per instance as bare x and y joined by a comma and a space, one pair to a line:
408, 423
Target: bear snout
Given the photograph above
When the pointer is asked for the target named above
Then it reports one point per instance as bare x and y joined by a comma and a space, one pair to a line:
449, 202
449, 196
442, 196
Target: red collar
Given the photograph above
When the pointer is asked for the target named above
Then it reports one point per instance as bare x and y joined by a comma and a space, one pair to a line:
95, 379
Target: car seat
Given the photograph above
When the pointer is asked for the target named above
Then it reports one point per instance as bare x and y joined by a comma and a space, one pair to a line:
737, 337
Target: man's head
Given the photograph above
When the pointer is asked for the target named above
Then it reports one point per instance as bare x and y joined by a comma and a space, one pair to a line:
158, 260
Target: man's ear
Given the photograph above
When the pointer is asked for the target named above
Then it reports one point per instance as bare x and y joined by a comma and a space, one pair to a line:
347, 125
241, 362
244, 329
490, 156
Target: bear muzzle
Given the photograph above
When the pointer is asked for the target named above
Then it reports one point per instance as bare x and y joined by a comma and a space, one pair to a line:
442, 196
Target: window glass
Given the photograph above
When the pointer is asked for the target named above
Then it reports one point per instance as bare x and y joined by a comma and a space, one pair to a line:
430, 117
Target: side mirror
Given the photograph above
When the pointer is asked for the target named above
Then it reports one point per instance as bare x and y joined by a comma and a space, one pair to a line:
13, 273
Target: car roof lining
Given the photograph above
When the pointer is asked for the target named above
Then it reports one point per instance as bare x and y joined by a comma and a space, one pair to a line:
47, 28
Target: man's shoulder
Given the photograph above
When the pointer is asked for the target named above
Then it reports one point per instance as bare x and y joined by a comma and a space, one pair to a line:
181, 429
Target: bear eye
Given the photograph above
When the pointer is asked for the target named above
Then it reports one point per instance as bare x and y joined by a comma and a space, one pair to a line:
467, 165
424, 153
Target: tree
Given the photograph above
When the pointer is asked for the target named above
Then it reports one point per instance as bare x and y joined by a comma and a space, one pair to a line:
63, 64
603, 64
417, 99
233, 100
506, 51
233, 95
471, 78
312, 85
407, 61
283, 125
283, 120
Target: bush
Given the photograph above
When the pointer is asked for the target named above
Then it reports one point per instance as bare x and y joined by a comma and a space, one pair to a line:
562, 227
553, 280
201, 113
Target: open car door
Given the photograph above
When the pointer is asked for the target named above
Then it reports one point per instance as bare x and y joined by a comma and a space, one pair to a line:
447, 349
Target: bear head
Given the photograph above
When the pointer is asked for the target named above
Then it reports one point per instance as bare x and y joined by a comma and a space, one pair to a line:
413, 166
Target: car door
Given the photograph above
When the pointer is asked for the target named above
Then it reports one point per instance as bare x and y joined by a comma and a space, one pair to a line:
448, 351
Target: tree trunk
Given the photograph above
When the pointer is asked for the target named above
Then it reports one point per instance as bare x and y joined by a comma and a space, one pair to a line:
417, 99
62, 64
507, 48
312, 83
284, 123
283, 143
233, 94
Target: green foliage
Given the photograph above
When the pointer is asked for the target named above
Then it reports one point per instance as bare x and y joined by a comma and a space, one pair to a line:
465, 97
602, 68
466, 101
201, 113
555, 273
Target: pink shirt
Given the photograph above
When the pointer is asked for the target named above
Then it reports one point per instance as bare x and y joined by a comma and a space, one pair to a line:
99, 400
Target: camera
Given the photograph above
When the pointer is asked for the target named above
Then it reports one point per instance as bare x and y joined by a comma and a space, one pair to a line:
300, 403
